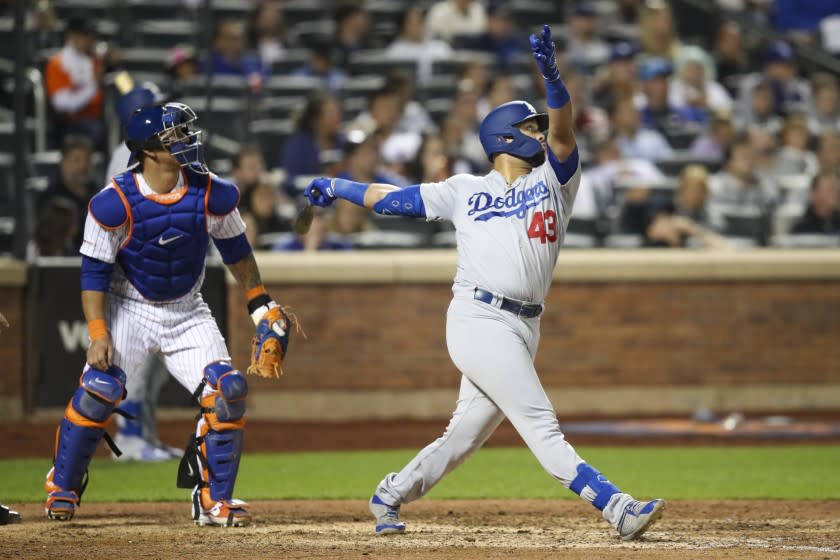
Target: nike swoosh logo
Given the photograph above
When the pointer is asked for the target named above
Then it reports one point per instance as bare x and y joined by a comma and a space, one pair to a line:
100, 381
163, 241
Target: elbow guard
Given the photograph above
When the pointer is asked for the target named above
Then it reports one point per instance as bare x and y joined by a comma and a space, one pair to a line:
404, 202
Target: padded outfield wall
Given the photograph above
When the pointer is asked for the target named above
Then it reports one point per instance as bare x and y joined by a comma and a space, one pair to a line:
625, 332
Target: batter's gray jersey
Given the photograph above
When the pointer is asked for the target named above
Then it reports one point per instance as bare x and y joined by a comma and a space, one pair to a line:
508, 236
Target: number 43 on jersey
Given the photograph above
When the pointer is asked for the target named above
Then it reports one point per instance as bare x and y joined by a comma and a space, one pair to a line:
543, 226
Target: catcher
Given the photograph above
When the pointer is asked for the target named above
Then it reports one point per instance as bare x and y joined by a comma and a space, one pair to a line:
143, 254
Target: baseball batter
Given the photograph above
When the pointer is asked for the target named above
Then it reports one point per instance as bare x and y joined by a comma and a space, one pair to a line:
509, 227
145, 242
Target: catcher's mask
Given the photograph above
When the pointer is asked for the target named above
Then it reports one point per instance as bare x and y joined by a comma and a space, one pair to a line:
171, 127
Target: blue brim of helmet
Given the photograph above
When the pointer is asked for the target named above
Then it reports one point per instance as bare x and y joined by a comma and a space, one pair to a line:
542, 120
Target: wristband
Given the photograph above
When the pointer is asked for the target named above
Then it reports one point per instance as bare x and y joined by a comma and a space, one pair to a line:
97, 329
257, 314
350, 190
255, 291
556, 93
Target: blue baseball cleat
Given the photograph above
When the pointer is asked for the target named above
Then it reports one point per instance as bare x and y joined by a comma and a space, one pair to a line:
638, 517
387, 517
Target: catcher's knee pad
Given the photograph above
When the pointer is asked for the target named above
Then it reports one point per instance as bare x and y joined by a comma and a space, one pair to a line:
217, 445
227, 399
83, 427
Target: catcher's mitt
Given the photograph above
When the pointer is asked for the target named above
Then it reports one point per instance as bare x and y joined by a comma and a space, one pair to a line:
269, 345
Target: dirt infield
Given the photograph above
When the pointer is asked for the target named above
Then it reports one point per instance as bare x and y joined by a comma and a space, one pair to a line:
510, 529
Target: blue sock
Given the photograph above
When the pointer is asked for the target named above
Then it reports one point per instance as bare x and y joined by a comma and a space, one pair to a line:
128, 427
593, 487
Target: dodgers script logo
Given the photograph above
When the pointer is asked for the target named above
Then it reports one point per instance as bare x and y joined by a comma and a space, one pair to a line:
515, 203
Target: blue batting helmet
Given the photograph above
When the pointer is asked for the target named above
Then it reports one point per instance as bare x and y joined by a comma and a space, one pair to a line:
167, 127
499, 135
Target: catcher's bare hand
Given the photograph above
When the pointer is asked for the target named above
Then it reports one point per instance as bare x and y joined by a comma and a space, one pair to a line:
3, 322
100, 353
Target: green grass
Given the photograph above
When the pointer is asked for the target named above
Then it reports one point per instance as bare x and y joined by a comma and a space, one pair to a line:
785, 472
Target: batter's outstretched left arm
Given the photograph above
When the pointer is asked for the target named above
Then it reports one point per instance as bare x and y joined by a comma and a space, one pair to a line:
379, 197
560, 135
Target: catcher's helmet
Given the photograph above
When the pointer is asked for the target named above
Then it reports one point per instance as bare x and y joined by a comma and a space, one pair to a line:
143, 95
167, 127
499, 135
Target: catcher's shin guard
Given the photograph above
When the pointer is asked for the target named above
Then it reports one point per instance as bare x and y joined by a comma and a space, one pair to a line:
211, 461
77, 436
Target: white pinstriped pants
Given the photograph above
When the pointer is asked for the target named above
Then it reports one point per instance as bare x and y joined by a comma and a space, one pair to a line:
184, 334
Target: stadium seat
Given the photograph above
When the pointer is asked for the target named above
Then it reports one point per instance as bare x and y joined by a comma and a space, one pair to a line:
681, 140
584, 226
226, 116
674, 166
271, 135
93, 9
280, 107
143, 59
162, 33
534, 13
140, 10
794, 188
785, 216
287, 86
374, 239
291, 61
296, 12
377, 63
806, 241
579, 241
436, 87
45, 164
745, 224
361, 86
623, 241
452, 65
221, 85
439, 108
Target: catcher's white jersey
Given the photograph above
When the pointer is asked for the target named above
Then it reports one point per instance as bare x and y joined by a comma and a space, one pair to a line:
104, 244
508, 236
182, 331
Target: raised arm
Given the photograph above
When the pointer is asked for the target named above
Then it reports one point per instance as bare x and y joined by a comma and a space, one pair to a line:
560, 135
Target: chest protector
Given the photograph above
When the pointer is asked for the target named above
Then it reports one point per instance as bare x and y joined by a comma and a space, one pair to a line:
164, 255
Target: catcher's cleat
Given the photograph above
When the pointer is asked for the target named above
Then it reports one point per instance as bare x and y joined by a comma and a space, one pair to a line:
387, 517
61, 505
638, 517
224, 513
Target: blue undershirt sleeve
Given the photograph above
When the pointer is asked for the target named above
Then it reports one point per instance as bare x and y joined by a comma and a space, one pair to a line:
564, 169
96, 274
233, 249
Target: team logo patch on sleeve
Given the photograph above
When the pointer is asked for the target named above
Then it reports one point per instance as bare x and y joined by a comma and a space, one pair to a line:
484, 206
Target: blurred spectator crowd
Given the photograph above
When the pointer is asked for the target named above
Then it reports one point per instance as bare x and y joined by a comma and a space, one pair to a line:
700, 124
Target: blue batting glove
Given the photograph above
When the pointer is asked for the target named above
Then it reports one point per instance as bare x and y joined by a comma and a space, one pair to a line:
545, 54
320, 192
